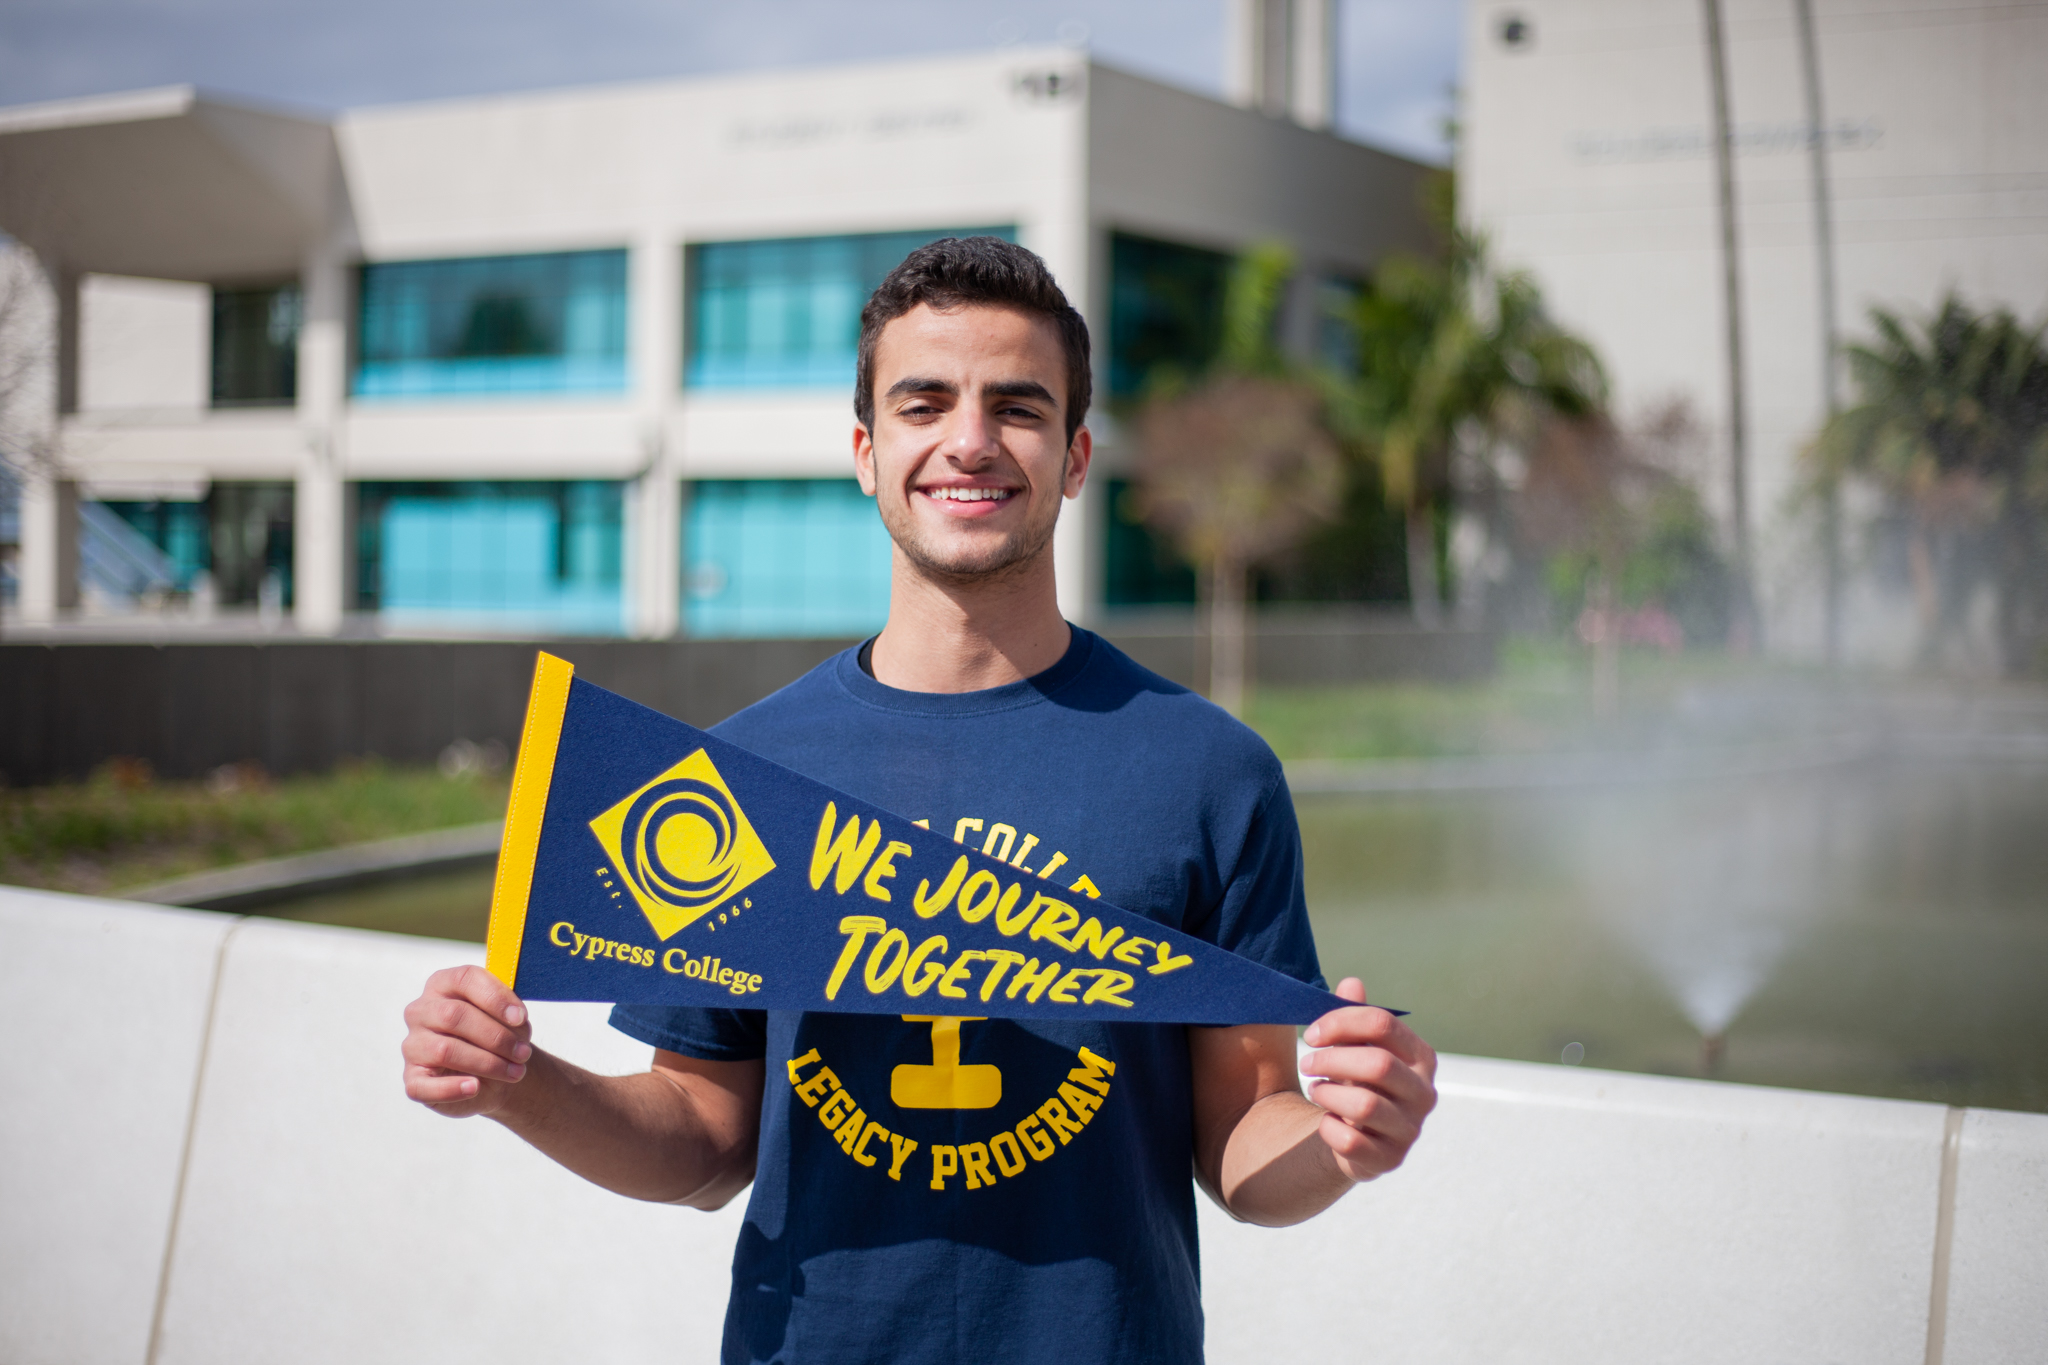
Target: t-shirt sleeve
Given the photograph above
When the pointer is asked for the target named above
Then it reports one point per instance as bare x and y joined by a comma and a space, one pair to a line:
708, 1035
1263, 912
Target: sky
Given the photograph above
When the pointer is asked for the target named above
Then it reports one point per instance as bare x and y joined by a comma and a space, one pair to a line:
1398, 62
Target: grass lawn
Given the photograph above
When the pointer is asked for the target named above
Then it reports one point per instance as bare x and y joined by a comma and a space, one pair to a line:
121, 829
1541, 701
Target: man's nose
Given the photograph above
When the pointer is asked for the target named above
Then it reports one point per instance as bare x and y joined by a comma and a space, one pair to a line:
973, 438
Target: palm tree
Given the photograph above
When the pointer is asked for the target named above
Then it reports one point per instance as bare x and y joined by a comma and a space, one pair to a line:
1236, 466
1952, 425
1455, 355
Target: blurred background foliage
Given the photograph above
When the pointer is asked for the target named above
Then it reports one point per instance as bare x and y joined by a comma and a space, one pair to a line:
1950, 430
1485, 479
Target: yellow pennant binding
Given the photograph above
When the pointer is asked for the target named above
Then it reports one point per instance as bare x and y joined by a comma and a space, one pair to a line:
524, 812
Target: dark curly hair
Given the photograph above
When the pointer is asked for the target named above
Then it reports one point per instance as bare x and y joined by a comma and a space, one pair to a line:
957, 271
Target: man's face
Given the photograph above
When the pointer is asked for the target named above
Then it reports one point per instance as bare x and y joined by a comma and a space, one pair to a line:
968, 458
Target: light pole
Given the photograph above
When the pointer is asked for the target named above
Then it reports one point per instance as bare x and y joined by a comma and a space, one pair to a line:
1824, 262
1747, 627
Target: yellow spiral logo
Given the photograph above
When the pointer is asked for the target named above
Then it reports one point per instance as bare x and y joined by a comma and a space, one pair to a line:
681, 844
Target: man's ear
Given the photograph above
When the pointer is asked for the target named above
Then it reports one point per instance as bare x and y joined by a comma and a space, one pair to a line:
864, 458
1080, 451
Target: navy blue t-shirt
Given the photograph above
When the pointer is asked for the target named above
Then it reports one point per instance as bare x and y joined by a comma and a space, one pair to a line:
941, 1190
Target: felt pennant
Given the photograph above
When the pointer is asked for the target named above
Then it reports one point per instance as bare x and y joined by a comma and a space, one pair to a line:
647, 862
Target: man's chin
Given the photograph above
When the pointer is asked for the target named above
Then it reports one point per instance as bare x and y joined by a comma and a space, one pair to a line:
960, 565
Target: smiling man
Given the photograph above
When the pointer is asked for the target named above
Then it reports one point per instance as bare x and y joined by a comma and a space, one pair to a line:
950, 1188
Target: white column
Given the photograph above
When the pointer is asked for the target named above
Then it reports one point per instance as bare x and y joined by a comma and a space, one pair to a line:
319, 519
1241, 20
48, 566
653, 533
1061, 233
1312, 66
41, 564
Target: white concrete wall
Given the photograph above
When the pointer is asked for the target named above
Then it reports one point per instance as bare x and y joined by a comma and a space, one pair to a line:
144, 344
1586, 155
205, 1156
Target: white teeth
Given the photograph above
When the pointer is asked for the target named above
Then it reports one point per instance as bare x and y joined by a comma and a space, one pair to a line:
969, 494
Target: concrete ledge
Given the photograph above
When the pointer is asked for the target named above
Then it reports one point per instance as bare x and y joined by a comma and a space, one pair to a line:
104, 1008
330, 1221
247, 885
205, 1144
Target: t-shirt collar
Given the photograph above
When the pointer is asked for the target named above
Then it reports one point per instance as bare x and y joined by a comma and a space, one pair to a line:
1026, 692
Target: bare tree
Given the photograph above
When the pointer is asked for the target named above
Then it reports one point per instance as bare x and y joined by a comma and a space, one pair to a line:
1234, 470
1612, 514
26, 360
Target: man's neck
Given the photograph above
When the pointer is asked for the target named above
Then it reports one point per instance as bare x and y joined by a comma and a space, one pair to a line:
951, 637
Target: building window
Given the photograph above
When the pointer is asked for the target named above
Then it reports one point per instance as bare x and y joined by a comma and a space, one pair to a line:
256, 347
786, 313
1165, 308
513, 557
789, 557
1141, 568
1337, 323
546, 324
234, 546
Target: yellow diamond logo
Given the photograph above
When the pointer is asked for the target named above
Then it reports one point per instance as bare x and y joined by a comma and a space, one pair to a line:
682, 844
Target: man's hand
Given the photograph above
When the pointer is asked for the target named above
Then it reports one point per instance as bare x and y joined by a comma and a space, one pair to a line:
684, 1131
1378, 1082
467, 1043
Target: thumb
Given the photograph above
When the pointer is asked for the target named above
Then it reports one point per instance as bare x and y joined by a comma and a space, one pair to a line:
1352, 989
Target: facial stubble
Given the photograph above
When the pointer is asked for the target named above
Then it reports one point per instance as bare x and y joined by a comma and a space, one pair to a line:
1013, 555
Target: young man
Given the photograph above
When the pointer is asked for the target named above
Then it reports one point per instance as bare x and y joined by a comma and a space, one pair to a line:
1020, 1191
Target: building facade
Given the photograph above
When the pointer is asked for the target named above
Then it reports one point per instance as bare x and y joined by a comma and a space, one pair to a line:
581, 361
1588, 156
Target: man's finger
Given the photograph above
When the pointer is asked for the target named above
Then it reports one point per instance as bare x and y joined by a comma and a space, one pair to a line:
1367, 1026
460, 1019
1367, 1110
431, 1087
489, 994
1372, 1067
1362, 1155
445, 1053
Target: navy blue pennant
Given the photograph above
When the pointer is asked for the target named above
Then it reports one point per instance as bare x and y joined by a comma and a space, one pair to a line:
647, 862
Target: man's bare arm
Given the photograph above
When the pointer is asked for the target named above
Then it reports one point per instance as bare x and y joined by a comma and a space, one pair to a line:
684, 1132
1272, 1157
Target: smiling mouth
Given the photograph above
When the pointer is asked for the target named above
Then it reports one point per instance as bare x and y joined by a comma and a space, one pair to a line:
969, 494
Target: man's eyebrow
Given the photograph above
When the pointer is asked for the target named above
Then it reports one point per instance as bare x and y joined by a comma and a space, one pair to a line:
1021, 388
910, 384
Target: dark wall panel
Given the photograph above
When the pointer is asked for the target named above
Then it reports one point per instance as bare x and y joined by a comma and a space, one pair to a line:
302, 706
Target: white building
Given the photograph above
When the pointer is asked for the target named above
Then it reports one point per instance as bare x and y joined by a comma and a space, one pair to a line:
582, 360
1588, 157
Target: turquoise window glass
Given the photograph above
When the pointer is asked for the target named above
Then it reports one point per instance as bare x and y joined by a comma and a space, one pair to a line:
526, 556
182, 531
543, 324
785, 313
240, 534
1141, 567
783, 557
1165, 308
1336, 328
255, 346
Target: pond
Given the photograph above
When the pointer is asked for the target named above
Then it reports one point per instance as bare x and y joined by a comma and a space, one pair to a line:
1876, 926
